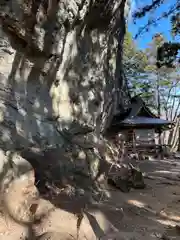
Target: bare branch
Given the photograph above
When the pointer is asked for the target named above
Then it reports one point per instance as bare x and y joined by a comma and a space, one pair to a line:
145, 28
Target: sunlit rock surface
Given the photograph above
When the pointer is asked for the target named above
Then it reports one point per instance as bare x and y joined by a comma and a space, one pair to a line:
61, 76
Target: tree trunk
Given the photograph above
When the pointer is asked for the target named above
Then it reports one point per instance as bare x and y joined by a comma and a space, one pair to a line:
61, 73
173, 138
178, 139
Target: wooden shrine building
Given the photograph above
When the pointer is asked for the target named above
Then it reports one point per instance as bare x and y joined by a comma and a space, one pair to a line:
138, 125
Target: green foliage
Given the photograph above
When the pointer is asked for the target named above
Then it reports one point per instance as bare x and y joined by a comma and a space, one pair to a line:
145, 78
135, 63
166, 54
163, 82
134, 60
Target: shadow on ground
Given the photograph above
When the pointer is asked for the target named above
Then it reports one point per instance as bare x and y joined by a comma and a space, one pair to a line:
150, 213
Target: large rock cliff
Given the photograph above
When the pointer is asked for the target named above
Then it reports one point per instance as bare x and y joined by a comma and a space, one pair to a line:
61, 75
61, 81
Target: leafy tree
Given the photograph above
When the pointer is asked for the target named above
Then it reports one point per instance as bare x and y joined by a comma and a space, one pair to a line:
166, 79
133, 58
135, 63
158, 84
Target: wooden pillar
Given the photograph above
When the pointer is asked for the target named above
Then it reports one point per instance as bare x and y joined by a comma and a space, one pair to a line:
178, 139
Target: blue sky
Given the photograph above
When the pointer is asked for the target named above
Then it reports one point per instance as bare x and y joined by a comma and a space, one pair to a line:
163, 26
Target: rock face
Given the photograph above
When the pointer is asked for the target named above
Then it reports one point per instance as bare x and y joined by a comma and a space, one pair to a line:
60, 62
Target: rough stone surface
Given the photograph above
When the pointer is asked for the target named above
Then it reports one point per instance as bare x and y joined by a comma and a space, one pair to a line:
126, 177
14, 169
145, 214
60, 62
54, 236
57, 69
18, 194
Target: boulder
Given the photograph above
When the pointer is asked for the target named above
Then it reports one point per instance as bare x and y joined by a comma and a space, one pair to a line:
19, 196
137, 179
125, 177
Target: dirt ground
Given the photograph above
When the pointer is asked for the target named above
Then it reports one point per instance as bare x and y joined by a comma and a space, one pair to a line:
151, 213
